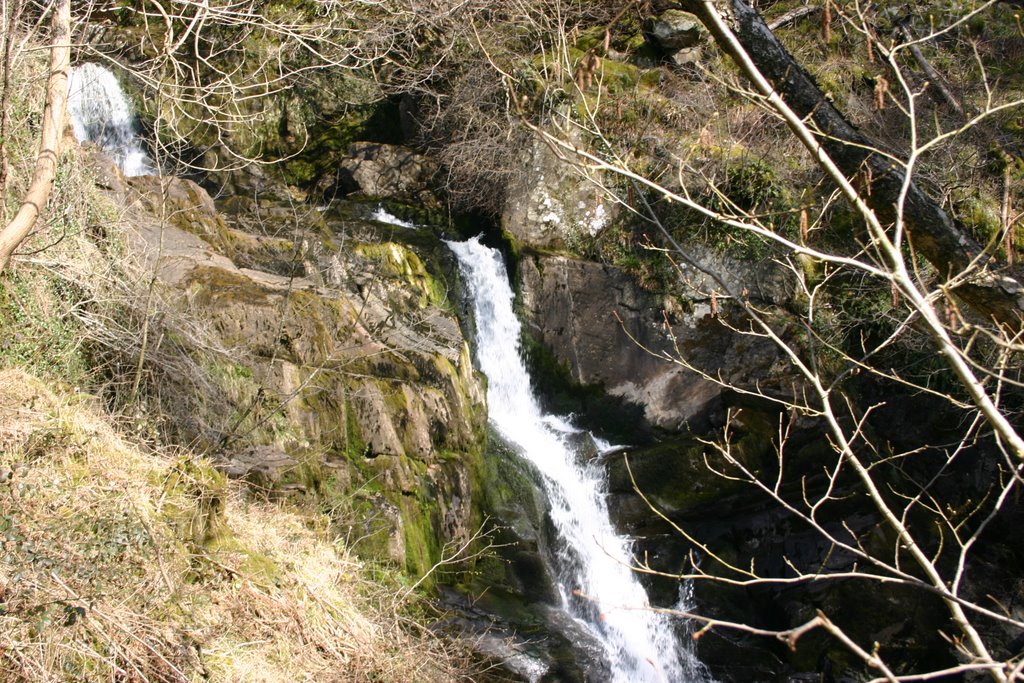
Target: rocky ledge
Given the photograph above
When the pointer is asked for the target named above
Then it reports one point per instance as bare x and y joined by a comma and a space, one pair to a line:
313, 352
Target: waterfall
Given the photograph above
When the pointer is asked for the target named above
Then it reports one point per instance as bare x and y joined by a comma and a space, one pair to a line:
101, 113
597, 586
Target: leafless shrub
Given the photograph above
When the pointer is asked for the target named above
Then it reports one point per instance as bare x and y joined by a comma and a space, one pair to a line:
931, 531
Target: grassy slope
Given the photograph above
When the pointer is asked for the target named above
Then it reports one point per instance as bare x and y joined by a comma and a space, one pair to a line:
126, 561
124, 558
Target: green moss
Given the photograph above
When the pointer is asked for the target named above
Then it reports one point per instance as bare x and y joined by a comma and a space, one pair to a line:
260, 568
651, 78
420, 530
590, 38
615, 77
308, 471
363, 520
195, 495
751, 183
401, 263
356, 445
980, 217
620, 77
298, 172
244, 406
626, 246
210, 285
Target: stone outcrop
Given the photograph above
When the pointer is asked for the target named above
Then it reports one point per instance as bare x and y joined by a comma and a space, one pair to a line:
607, 331
318, 364
552, 204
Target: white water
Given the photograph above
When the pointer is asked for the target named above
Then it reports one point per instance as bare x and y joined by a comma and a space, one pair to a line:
382, 215
640, 645
101, 113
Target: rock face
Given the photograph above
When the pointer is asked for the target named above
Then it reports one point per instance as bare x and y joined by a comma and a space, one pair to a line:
607, 331
552, 204
313, 363
378, 170
741, 526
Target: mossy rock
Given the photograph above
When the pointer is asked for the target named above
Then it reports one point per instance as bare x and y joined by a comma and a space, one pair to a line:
209, 285
420, 526
680, 476
398, 262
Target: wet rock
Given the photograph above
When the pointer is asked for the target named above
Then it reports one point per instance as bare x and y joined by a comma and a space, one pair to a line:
539, 645
745, 528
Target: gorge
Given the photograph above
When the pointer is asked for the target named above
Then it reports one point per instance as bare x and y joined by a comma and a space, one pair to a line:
820, 471
594, 564
591, 562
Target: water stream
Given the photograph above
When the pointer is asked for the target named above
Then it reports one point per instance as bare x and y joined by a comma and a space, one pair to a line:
102, 114
598, 588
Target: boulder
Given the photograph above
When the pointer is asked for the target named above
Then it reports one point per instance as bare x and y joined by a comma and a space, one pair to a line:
550, 204
674, 30
676, 35
393, 171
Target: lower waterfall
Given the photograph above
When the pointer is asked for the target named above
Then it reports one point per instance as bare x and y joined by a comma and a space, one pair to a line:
102, 114
598, 588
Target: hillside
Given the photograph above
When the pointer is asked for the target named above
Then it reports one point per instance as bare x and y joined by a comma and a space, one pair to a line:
128, 394
132, 561
772, 249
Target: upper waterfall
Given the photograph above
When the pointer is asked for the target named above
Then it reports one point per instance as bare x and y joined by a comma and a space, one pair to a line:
102, 114
597, 585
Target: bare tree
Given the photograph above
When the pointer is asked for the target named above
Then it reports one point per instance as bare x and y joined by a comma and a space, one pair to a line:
52, 130
963, 304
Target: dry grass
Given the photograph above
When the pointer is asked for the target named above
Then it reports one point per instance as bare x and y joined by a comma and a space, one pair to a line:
119, 563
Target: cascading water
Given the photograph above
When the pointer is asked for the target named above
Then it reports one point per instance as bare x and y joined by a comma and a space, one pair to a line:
597, 586
101, 113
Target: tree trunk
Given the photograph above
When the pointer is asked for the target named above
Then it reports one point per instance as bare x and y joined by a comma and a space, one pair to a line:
933, 232
52, 132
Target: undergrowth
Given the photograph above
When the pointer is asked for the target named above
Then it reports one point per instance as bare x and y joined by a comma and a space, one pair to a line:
127, 563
